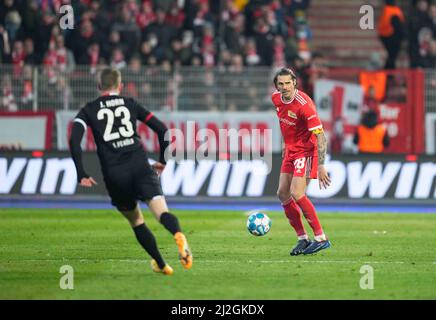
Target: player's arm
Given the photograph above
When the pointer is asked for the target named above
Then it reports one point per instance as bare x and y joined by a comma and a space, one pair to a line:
323, 177
315, 126
283, 148
77, 133
159, 128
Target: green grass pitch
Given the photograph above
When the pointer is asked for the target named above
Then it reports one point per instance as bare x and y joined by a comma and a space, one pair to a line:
229, 263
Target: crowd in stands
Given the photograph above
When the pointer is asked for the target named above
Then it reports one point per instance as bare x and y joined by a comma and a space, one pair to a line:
128, 34
422, 34
418, 27
226, 35
178, 31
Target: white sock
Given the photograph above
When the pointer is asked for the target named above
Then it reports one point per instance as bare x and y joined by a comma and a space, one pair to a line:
303, 237
321, 237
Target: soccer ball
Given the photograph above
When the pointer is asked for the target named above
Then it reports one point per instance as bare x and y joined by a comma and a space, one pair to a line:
258, 224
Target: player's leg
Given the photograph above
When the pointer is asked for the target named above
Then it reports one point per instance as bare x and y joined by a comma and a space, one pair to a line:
146, 238
119, 187
300, 180
159, 208
292, 211
298, 190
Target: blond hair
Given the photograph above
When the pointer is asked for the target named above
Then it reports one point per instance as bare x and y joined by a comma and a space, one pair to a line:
109, 78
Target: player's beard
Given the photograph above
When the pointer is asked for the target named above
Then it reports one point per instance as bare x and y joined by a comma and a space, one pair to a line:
288, 94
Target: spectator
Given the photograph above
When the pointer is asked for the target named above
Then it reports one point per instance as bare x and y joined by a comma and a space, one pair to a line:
202, 17
371, 137
64, 57
114, 41
418, 21
225, 60
27, 89
7, 99
264, 41
179, 53
251, 56
31, 19
390, 31
146, 52
145, 16
117, 60
279, 12
234, 31
18, 58
208, 46
175, 16
424, 39
163, 5
160, 34
31, 57
128, 30
13, 26
44, 32
100, 17
429, 61
5, 49
82, 38
7, 6
279, 52
432, 14
50, 63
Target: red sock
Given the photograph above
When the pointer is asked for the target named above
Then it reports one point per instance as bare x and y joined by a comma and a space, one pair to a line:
310, 215
292, 212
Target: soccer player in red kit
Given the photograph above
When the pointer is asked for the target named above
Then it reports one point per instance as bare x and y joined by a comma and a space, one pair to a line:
303, 159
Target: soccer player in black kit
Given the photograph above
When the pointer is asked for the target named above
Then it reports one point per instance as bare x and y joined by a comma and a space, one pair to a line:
127, 174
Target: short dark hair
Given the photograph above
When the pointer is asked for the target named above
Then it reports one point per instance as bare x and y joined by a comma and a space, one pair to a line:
109, 78
285, 72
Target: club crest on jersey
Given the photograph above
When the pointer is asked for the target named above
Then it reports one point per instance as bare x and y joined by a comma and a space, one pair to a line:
292, 115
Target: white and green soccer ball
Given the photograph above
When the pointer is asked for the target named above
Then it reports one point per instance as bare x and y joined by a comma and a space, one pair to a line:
258, 224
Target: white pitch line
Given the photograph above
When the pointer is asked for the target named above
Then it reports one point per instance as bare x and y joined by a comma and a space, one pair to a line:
222, 261
328, 261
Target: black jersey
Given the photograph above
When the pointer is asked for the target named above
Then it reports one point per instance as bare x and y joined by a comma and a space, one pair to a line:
112, 119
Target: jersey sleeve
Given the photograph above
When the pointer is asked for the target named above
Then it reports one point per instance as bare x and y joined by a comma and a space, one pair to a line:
142, 114
274, 96
82, 118
311, 117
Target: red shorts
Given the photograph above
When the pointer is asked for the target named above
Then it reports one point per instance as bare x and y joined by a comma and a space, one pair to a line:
301, 167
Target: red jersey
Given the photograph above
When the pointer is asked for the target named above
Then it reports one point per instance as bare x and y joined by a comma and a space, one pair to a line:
297, 119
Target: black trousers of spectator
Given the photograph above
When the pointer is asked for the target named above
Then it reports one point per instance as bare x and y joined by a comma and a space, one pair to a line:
393, 47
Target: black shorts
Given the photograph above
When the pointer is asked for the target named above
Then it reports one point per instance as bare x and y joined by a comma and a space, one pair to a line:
135, 180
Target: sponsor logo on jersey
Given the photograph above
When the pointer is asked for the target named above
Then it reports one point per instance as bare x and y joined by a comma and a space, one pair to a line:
286, 121
292, 115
